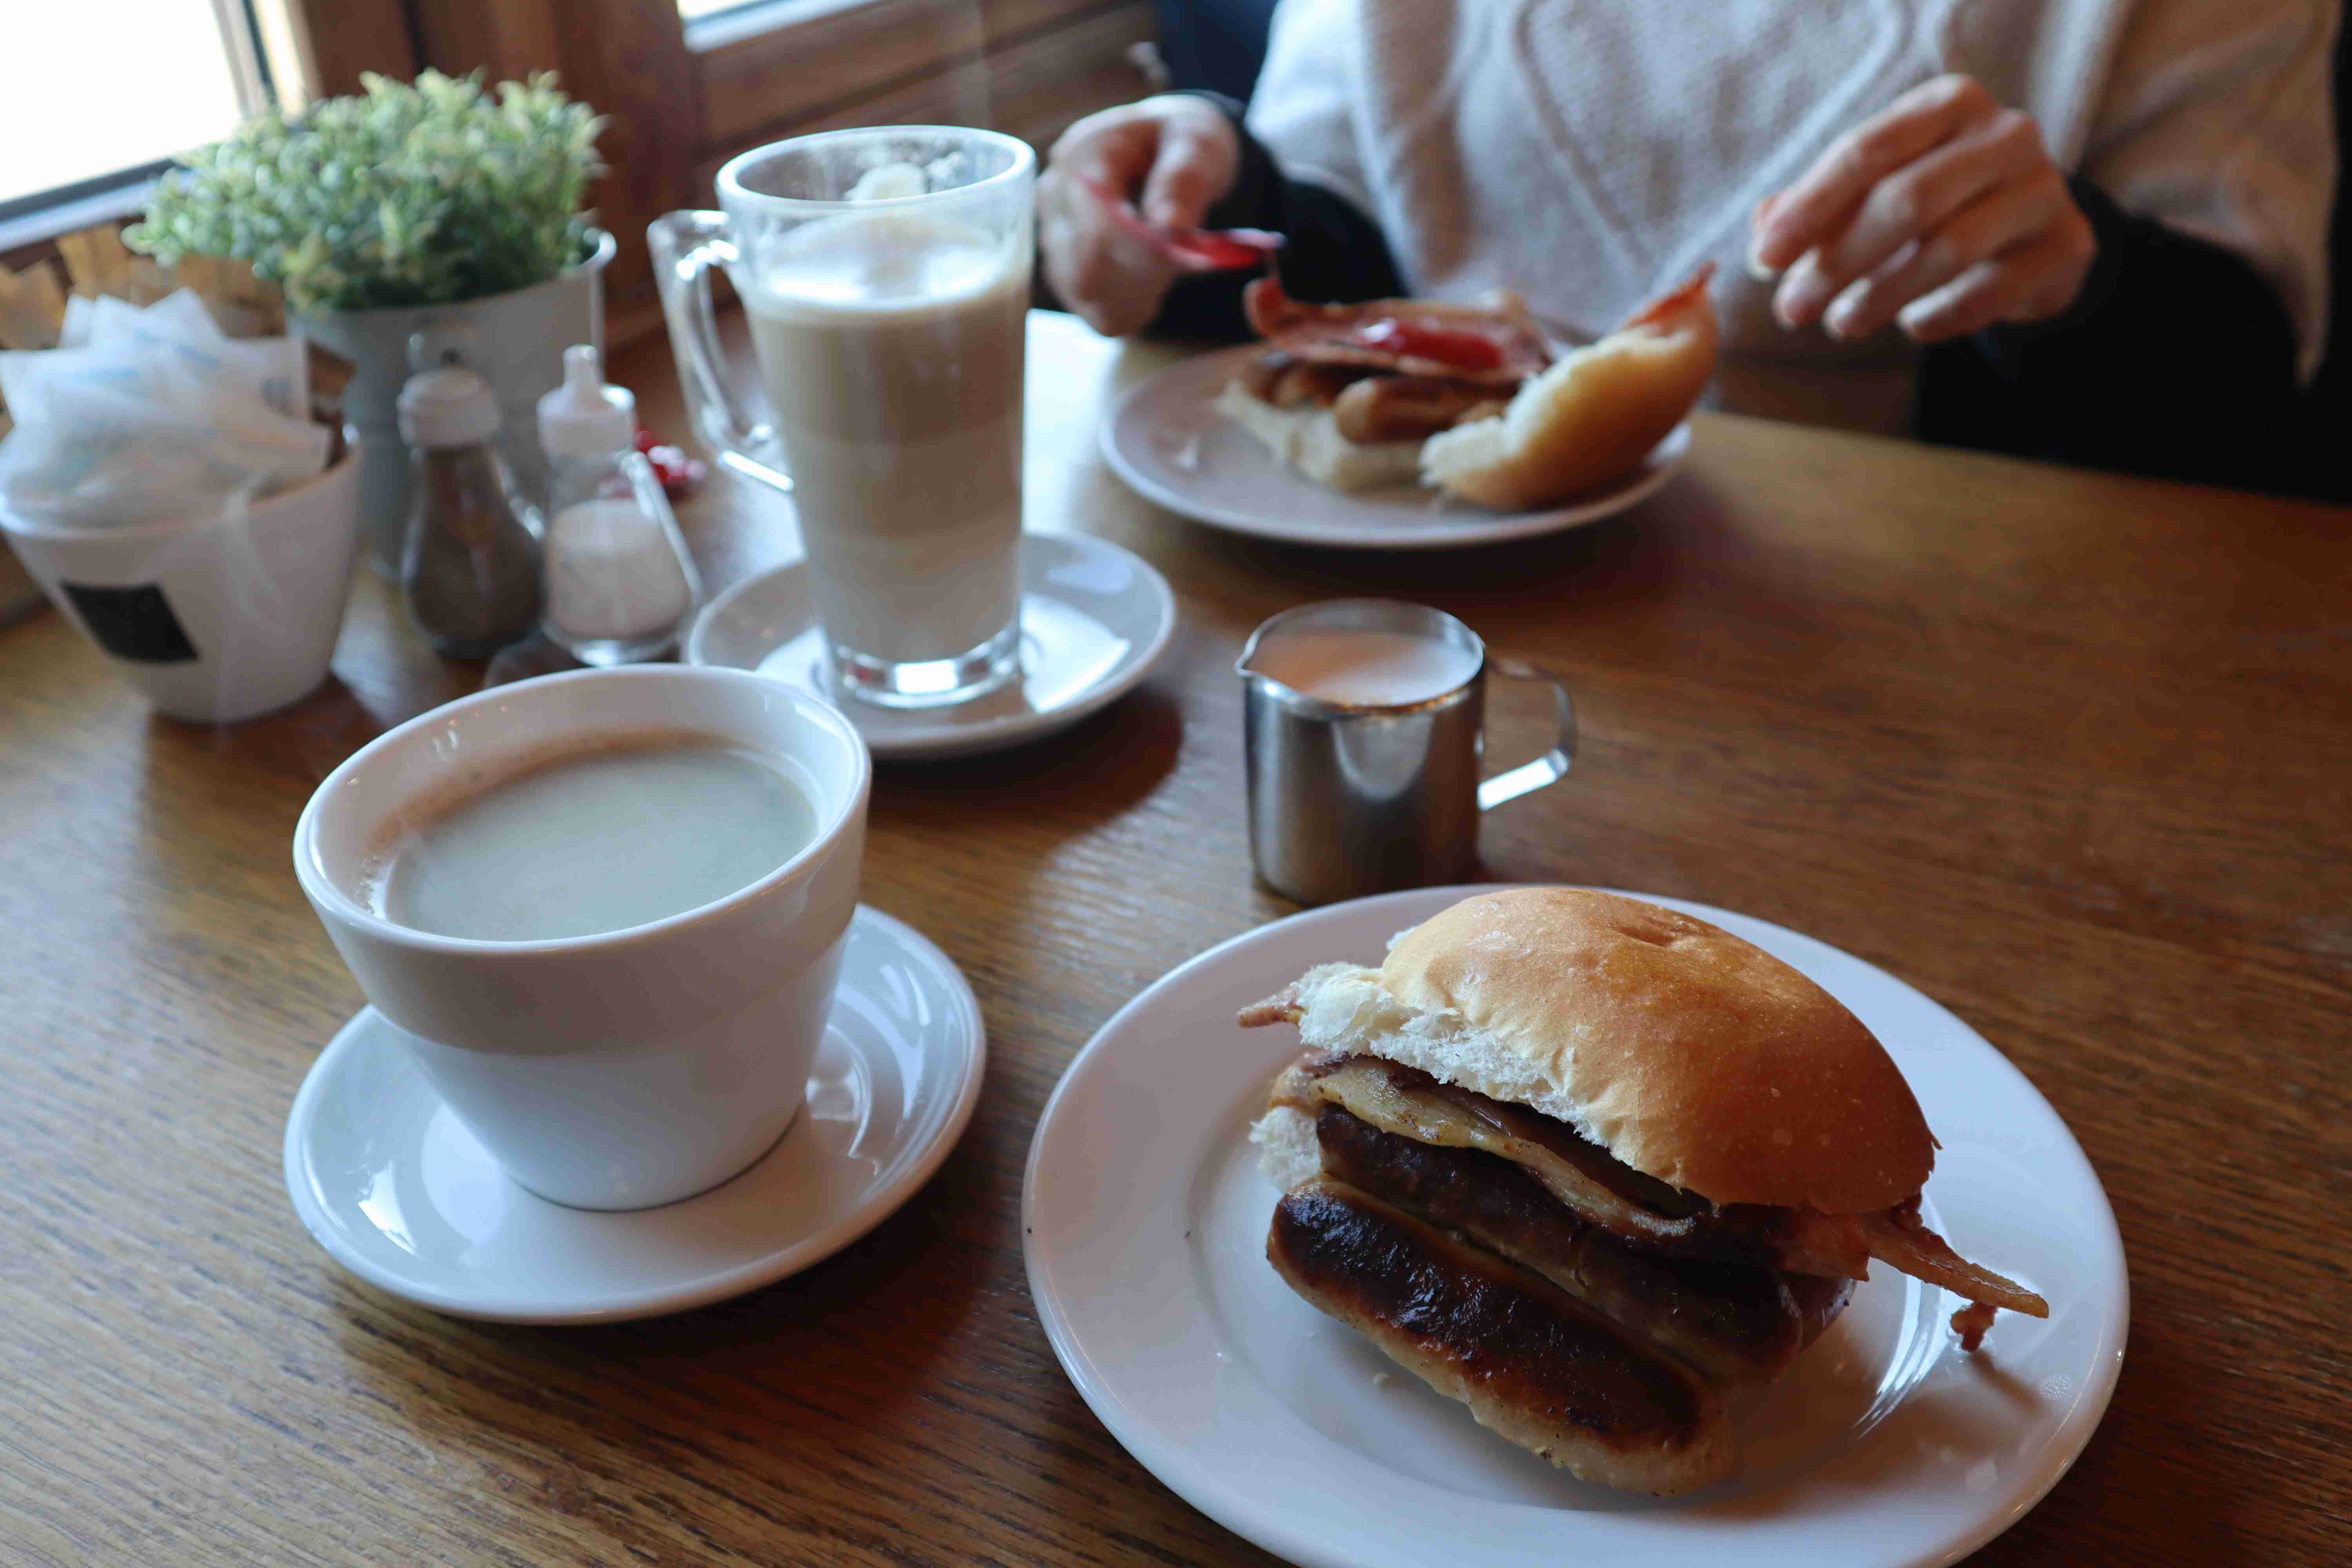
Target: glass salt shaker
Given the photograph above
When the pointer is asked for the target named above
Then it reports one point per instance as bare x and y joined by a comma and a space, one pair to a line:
469, 564
620, 583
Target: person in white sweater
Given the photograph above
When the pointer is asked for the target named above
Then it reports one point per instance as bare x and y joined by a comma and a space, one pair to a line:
2112, 215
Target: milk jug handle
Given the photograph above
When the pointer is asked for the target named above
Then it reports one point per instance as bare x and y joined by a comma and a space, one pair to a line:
685, 246
1549, 768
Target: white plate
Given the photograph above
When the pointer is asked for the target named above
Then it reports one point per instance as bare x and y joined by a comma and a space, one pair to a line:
1146, 1217
1167, 440
1094, 619
398, 1191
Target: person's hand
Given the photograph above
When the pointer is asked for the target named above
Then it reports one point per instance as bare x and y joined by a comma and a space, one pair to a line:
1942, 213
1173, 156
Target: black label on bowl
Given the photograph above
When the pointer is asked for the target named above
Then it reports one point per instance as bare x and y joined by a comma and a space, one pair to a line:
136, 624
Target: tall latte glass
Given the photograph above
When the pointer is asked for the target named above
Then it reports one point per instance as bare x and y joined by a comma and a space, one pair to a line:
885, 274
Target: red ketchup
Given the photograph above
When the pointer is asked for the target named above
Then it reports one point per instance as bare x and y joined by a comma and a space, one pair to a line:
1451, 346
1194, 249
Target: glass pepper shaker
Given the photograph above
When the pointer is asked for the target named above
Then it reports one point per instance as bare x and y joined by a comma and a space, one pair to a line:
620, 583
469, 566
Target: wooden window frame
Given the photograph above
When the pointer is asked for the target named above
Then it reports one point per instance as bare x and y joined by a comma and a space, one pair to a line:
683, 97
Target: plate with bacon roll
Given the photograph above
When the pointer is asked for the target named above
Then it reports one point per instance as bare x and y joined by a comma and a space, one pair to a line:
1417, 424
1534, 1225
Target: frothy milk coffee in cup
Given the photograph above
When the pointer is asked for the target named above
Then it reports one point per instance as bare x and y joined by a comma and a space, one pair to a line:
884, 276
583, 841
604, 913
891, 348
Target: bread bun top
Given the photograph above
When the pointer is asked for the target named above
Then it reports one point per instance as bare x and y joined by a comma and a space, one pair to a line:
1688, 1054
1592, 417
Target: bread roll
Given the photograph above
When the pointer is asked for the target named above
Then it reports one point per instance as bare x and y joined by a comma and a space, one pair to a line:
1690, 1055
1590, 417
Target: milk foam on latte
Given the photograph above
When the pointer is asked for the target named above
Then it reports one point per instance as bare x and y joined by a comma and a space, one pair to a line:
891, 344
590, 841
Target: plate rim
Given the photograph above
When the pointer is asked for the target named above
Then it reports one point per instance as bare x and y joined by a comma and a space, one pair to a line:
1666, 460
944, 740
1177, 1469
756, 1273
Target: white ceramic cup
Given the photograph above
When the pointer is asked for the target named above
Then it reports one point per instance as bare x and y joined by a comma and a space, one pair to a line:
214, 622
632, 1067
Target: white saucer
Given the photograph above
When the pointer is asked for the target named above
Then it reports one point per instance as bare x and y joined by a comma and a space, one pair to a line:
1167, 440
1094, 619
1145, 1218
398, 1191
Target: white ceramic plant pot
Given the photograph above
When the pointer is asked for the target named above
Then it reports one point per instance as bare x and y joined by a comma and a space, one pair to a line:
514, 341
213, 621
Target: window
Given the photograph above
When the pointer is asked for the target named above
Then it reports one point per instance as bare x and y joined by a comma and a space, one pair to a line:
162, 76
97, 95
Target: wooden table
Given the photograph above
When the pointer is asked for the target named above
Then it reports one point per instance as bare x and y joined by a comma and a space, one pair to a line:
2071, 754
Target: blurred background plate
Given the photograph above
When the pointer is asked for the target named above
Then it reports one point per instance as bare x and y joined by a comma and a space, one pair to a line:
1167, 440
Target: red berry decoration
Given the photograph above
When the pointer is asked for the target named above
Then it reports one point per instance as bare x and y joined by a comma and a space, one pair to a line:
678, 472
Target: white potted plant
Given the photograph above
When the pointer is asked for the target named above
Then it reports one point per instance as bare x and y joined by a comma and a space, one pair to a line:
437, 207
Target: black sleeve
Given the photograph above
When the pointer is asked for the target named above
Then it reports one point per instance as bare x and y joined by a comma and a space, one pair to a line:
2177, 361
1335, 251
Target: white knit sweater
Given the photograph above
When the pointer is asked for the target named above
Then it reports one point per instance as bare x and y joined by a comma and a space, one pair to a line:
1591, 152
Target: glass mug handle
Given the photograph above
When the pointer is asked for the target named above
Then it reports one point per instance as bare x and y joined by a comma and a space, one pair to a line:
685, 246
1549, 768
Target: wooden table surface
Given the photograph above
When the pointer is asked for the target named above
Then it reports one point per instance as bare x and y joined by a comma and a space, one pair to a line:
2071, 754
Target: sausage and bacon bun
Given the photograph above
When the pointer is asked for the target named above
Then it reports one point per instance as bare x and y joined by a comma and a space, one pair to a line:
1588, 1166
1469, 398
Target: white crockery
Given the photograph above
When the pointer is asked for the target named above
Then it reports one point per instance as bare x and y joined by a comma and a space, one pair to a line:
1144, 1218
399, 1191
1165, 438
632, 1067
1094, 620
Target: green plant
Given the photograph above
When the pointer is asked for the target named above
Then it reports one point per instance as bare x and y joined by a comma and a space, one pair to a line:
403, 195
